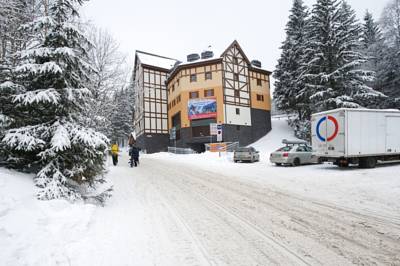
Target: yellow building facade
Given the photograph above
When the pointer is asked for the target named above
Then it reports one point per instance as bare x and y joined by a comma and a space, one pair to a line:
226, 89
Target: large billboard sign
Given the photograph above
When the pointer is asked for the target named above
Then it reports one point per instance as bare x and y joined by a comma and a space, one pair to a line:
202, 108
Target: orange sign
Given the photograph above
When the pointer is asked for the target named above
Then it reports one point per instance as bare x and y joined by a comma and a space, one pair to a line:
217, 147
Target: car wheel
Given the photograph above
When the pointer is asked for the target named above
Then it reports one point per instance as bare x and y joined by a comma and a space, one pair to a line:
296, 162
235, 161
252, 160
278, 164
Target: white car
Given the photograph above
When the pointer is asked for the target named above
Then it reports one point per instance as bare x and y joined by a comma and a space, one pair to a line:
294, 153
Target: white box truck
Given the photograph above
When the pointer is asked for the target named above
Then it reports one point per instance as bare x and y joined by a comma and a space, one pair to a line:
356, 136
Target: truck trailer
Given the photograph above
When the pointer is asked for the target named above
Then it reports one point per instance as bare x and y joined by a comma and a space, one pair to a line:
356, 136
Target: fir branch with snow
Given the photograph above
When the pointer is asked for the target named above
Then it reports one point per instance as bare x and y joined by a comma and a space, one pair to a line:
334, 71
45, 135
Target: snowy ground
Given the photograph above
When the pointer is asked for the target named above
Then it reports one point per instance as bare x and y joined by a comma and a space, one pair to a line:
206, 210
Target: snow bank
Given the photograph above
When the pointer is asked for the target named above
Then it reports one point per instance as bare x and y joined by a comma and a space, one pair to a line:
34, 232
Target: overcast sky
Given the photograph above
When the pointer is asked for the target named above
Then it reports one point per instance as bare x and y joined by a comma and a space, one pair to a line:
175, 28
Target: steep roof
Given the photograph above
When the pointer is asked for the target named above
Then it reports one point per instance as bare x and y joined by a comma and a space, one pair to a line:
236, 43
156, 60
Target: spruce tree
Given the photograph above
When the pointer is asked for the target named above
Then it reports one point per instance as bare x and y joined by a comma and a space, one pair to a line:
389, 63
371, 33
289, 89
44, 135
372, 45
333, 73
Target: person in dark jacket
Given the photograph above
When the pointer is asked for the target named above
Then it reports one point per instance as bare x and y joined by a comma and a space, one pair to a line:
134, 153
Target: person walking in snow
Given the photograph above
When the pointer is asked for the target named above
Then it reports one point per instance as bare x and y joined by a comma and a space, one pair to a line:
134, 153
114, 153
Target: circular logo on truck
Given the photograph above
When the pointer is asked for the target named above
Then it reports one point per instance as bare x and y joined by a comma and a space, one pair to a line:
334, 121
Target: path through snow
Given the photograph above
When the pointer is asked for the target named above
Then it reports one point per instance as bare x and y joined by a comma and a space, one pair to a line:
163, 213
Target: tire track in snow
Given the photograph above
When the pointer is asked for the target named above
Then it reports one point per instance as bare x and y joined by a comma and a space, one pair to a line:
330, 227
333, 228
260, 243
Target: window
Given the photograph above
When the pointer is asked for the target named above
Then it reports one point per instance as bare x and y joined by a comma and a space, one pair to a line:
237, 111
173, 102
178, 99
301, 149
193, 94
193, 78
237, 93
259, 82
208, 75
235, 77
235, 60
177, 82
173, 87
286, 148
260, 97
209, 93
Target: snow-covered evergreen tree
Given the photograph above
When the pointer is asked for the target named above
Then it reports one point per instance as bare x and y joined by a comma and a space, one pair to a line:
13, 14
44, 135
389, 63
371, 33
333, 73
372, 45
289, 94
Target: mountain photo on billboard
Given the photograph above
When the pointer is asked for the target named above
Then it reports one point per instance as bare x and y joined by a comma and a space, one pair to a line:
202, 108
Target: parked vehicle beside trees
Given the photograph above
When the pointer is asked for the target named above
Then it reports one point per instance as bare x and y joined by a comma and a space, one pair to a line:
357, 136
295, 153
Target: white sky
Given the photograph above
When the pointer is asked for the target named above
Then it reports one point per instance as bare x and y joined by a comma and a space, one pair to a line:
175, 28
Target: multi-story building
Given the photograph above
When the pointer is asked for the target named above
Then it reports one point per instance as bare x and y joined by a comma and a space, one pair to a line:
151, 113
227, 89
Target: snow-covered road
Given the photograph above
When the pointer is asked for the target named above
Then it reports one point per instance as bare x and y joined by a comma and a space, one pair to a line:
165, 214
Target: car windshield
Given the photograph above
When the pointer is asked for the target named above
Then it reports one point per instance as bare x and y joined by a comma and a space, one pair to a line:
286, 148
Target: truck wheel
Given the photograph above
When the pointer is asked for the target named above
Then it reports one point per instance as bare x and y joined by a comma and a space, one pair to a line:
296, 162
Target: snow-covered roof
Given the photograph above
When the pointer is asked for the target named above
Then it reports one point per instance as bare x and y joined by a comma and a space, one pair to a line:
156, 60
200, 60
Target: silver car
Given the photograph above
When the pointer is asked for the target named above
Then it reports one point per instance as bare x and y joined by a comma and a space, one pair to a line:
294, 153
246, 154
